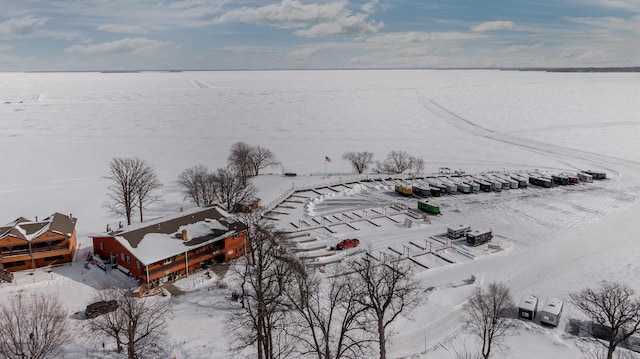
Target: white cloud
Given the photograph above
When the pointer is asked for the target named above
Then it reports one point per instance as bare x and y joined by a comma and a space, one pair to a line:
607, 22
5, 48
493, 26
521, 48
620, 4
286, 14
594, 56
356, 24
332, 18
370, 7
122, 28
303, 55
16, 27
123, 46
422, 37
200, 12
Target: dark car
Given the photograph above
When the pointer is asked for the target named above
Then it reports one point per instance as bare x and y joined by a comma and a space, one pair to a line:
98, 308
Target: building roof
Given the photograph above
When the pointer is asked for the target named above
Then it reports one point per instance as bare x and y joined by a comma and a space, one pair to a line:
553, 306
28, 230
161, 238
528, 302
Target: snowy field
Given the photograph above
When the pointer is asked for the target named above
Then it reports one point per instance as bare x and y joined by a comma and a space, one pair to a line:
58, 132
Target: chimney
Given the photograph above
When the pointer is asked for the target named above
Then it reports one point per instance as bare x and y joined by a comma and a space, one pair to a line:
184, 234
181, 209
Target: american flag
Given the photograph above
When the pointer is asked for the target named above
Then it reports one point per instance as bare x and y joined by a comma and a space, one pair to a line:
326, 158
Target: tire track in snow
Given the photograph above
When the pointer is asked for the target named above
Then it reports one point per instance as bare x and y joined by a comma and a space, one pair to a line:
559, 152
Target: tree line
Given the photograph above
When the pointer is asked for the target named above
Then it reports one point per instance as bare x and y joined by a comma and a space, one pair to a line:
286, 310
134, 182
395, 162
289, 310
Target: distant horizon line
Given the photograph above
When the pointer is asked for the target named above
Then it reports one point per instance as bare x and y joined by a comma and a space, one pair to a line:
544, 69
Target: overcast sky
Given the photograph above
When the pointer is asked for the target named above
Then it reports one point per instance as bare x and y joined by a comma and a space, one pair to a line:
299, 34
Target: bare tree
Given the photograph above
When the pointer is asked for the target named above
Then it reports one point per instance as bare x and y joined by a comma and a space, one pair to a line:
247, 160
360, 161
263, 283
130, 177
418, 165
146, 189
396, 162
197, 185
230, 190
35, 328
614, 307
488, 313
260, 158
239, 159
388, 290
136, 324
330, 322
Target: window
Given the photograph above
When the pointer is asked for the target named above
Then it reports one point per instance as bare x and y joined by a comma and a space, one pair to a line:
167, 261
14, 264
101, 246
122, 256
128, 259
138, 264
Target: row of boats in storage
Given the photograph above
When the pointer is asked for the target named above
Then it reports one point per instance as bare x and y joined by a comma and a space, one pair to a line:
437, 186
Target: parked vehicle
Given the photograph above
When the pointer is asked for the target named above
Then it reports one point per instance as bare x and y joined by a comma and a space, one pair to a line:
422, 190
403, 190
551, 312
428, 207
596, 175
98, 308
347, 243
528, 307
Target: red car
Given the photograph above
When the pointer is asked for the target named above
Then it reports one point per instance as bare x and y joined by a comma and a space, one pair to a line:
347, 243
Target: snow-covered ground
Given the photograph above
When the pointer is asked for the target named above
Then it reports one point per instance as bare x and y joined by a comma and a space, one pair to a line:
58, 131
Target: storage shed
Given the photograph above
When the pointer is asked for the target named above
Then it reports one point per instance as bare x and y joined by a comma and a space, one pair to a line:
585, 177
479, 237
596, 175
528, 307
458, 232
422, 191
404, 190
428, 207
551, 312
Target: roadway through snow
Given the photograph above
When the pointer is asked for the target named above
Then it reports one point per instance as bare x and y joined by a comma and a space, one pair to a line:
579, 254
558, 240
564, 154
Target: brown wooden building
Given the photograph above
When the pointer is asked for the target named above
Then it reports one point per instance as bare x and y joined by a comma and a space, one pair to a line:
27, 244
174, 246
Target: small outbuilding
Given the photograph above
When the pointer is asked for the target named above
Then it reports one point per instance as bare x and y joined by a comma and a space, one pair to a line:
479, 237
528, 307
458, 232
551, 312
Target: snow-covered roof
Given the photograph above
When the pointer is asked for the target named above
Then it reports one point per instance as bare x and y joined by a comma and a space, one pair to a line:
553, 306
161, 238
528, 302
29, 230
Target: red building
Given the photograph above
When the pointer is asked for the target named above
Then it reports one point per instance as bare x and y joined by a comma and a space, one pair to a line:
170, 247
28, 244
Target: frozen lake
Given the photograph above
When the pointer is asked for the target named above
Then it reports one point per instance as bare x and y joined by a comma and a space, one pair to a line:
58, 131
